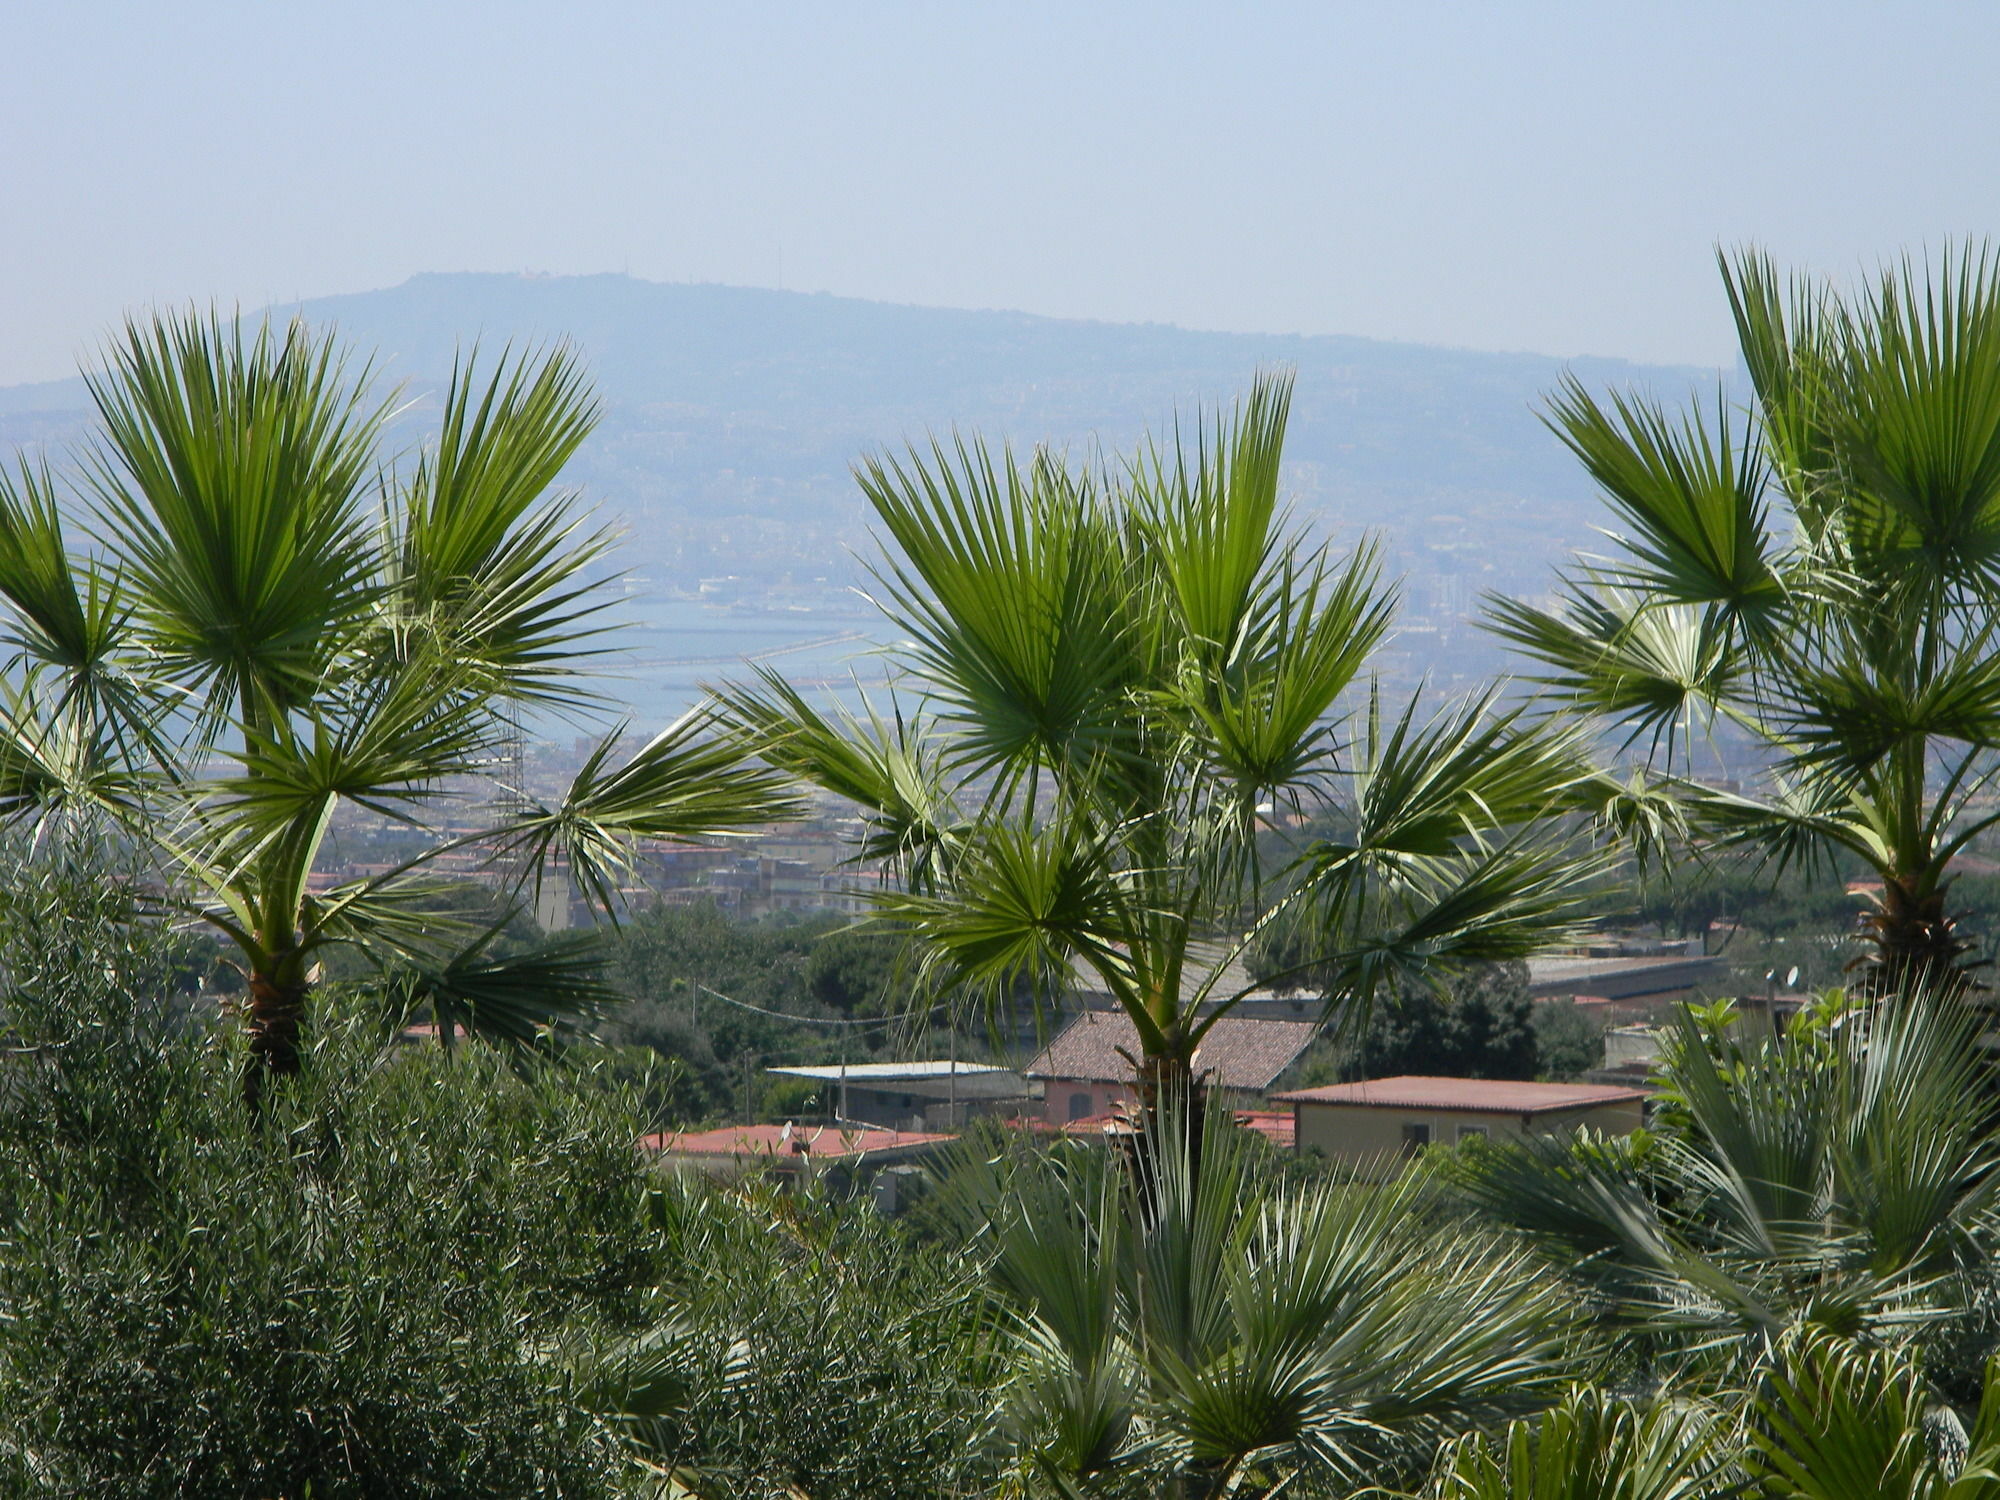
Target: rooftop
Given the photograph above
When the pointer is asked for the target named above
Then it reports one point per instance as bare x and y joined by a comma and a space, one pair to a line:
1477, 1095
1237, 1053
878, 1072
1205, 962
823, 1142
1620, 977
1276, 1126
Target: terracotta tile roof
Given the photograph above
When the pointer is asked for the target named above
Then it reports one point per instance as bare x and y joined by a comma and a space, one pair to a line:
1238, 1053
822, 1141
1485, 1095
1277, 1127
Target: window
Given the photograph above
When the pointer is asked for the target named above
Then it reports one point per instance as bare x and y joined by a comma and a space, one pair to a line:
1473, 1132
1079, 1106
1415, 1138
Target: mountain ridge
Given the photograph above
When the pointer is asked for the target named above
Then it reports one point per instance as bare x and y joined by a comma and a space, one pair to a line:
733, 415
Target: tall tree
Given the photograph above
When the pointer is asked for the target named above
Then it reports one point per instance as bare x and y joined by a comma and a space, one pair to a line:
1112, 679
269, 616
1821, 571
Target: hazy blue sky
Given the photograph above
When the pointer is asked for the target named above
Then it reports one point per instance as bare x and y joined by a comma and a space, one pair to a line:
1500, 175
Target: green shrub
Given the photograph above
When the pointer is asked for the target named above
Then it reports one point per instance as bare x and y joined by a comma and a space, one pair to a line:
368, 1292
818, 1348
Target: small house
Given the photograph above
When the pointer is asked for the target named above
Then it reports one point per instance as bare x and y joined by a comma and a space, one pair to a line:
1086, 1070
1385, 1120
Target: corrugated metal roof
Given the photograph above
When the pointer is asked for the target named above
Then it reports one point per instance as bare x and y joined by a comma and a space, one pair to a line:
1620, 978
1477, 1095
862, 1072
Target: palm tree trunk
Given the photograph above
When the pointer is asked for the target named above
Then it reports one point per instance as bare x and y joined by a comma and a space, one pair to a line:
277, 1007
1173, 1106
1916, 942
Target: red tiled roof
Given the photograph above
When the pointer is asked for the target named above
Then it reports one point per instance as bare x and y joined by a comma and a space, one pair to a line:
822, 1141
1113, 1122
1278, 1128
1487, 1095
1239, 1052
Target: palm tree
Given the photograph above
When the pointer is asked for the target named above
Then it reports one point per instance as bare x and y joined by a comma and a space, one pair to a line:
1839, 1420
1215, 1332
1820, 572
268, 618
1835, 1180
1113, 681
1593, 1446
1835, 1420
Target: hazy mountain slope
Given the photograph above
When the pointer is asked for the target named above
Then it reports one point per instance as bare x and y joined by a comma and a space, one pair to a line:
733, 415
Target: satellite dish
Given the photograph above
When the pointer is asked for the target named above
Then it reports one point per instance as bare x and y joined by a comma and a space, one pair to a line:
1792, 979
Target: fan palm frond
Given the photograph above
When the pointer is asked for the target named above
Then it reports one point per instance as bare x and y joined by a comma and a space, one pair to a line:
232, 476
486, 566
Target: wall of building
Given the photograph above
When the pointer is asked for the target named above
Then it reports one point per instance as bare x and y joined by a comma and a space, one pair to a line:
905, 1110
1360, 1134
1066, 1099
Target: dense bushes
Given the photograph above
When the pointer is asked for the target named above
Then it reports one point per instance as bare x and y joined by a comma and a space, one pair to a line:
419, 1273
816, 1348
432, 1274
366, 1292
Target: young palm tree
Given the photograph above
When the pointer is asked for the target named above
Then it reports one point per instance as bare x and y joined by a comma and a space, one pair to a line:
1839, 1419
1594, 1447
1835, 1420
1112, 682
1213, 1332
268, 618
1836, 1180
1822, 572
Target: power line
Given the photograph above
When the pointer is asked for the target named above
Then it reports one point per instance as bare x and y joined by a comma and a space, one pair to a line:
784, 1015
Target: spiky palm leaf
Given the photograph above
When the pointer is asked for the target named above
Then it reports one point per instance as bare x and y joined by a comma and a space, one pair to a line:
1110, 681
1842, 1421
1208, 1328
1859, 654
1594, 1447
277, 620
522, 1000
1838, 1181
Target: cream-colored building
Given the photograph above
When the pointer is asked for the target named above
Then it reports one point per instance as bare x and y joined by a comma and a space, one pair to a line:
1384, 1121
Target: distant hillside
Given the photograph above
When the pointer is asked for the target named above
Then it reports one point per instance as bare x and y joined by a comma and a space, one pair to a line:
733, 415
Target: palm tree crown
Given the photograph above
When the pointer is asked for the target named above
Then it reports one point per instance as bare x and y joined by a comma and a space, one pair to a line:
1821, 572
1111, 681
269, 617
